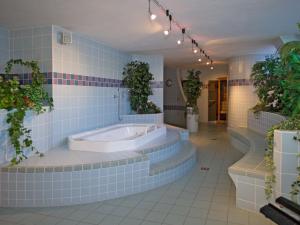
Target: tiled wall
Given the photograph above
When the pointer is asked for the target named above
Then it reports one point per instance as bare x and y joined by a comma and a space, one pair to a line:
85, 77
286, 159
4, 48
241, 93
78, 107
33, 43
263, 121
174, 105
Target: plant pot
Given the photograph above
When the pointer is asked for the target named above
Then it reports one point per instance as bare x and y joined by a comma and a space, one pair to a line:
192, 122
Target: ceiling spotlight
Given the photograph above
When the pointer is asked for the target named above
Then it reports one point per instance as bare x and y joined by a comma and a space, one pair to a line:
166, 32
207, 63
179, 42
211, 67
199, 60
195, 51
152, 16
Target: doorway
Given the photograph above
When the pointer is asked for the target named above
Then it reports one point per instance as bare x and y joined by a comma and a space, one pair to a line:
217, 100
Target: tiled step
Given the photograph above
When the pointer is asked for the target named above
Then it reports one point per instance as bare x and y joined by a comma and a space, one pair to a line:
162, 147
187, 151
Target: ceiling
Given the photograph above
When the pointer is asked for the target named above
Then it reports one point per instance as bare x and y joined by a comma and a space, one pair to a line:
224, 28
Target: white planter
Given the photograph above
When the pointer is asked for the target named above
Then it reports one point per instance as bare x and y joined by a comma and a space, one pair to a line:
286, 160
192, 122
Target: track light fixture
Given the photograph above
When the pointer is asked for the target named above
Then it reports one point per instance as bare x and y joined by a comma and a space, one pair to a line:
167, 32
151, 15
179, 42
195, 47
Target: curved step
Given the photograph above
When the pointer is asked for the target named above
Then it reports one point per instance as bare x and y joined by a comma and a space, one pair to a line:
186, 152
163, 147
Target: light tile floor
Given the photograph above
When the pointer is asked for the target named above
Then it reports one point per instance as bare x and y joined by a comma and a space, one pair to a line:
202, 197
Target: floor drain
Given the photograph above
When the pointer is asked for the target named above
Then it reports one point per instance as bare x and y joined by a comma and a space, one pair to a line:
204, 168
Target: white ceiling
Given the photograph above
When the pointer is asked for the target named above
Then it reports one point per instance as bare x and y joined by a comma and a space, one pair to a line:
224, 28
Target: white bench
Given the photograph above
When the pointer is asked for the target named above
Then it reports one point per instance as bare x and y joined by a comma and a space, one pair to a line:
248, 174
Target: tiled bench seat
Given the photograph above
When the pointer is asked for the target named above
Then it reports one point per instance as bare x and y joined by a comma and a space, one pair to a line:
248, 173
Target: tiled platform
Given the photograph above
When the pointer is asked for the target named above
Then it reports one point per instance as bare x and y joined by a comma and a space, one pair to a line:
65, 177
202, 197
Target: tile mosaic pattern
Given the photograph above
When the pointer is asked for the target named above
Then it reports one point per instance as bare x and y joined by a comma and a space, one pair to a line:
201, 197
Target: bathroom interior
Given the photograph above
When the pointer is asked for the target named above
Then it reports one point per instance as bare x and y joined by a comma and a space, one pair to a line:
149, 112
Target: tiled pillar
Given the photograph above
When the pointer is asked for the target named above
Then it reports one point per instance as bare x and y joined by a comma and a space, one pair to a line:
286, 159
241, 96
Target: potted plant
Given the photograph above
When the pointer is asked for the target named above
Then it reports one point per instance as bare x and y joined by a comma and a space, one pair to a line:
137, 78
277, 82
192, 89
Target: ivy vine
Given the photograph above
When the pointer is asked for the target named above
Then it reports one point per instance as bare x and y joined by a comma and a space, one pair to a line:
293, 123
19, 98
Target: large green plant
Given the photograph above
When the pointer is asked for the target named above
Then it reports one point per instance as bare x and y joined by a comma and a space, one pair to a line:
289, 65
277, 81
17, 99
267, 80
192, 87
137, 78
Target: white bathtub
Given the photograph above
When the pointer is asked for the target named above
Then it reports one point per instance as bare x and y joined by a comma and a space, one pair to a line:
120, 137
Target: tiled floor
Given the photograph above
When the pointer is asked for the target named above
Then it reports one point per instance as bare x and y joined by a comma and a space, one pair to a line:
206, 196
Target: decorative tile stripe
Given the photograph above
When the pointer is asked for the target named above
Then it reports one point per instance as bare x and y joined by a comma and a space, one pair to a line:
81, 80
239, 82
174, 107
78, 167
78, 80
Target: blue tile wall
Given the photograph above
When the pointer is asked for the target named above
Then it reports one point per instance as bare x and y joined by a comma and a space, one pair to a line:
77, 108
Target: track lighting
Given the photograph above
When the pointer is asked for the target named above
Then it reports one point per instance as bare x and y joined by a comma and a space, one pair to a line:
172, 21
151, 15
167, 32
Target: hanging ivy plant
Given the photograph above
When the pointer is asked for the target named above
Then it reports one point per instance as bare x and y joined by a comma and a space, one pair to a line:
17, 99
292, 123
137, 78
